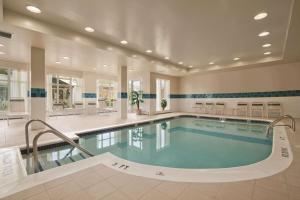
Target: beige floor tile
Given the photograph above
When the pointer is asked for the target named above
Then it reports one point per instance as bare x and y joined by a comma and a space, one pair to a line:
194, 194
293, 179
237, 190
41, 196
272, 184
210, 190
172, 189
63, 190
261, 193
80, 195
137, 189
100, 190
57, 182
27, 193
121, 179
294, 192
154, 194
117, 195
105, 172
88, 179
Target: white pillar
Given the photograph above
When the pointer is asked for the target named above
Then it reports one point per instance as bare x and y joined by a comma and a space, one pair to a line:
90, 95
122, 92
38, 92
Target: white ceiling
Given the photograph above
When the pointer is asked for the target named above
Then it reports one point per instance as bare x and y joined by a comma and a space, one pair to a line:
195, 32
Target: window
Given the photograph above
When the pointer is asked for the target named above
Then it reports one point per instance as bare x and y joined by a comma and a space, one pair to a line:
107, 139
13, 84
135, 137
162, 136
162, 92
107, 93
63, 90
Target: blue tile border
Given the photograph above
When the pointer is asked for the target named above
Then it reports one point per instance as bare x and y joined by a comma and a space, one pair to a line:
149, 96
287, 93
122, 95
38, 92
88, 95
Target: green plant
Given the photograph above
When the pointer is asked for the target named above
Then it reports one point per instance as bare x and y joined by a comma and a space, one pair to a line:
163, 103
136, 99
3, 104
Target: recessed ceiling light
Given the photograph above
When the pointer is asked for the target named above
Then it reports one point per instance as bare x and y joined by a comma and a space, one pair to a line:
124, 42
2, 53
109, 48
268, 53
266, 45
104, 65
57, 62
89, 29
167, 58
260, 16
134, 56
1, 45
66, 57
33, 9
237, 58
264, 33
149, 51
191, 66
211, 63
180, 63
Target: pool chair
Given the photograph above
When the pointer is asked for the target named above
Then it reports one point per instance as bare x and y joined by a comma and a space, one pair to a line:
102, 105
57, 109
78, 108
17, 109
220, 108
91, 108
257, 109
199, 107
274, 109
209, 108
242, 109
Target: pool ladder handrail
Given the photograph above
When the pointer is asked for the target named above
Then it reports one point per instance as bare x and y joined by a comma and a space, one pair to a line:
276, 121
53, 131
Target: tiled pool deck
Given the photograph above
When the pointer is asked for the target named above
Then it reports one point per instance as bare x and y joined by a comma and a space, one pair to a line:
101, 182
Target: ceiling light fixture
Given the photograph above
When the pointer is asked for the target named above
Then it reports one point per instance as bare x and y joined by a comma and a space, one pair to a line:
33, 9
211, 63
134, 56
167, 58
1, 45
180, 63
149, 51
268, 53
237, 58
260, 16
57, 62
2, 53
89, 29
66, 57
266, 45
264, 33
105, 65
191, 66
124, 42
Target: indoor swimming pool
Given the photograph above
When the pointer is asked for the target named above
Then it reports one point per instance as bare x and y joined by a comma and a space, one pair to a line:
181, 142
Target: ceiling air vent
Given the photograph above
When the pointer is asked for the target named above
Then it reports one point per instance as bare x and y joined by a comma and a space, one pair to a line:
5, 34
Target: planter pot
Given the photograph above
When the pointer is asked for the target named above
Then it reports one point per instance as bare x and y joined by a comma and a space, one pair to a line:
138, 111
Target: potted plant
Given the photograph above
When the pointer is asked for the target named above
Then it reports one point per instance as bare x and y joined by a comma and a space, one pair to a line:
136, 99
163, 104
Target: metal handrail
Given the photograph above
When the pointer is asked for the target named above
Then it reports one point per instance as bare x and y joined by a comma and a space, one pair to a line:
27, 131
274, 123
58, 134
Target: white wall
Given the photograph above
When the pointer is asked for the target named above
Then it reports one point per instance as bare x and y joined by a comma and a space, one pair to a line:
265, 79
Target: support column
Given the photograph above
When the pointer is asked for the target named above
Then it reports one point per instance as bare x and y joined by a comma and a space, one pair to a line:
122, 92
38, 83
90, 95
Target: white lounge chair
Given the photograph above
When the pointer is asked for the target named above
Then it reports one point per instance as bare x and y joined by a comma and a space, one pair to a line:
242, 109
209, 108
220, 108
257, 109
274, 109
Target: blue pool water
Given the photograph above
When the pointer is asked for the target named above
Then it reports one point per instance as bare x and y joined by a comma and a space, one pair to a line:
182, 142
